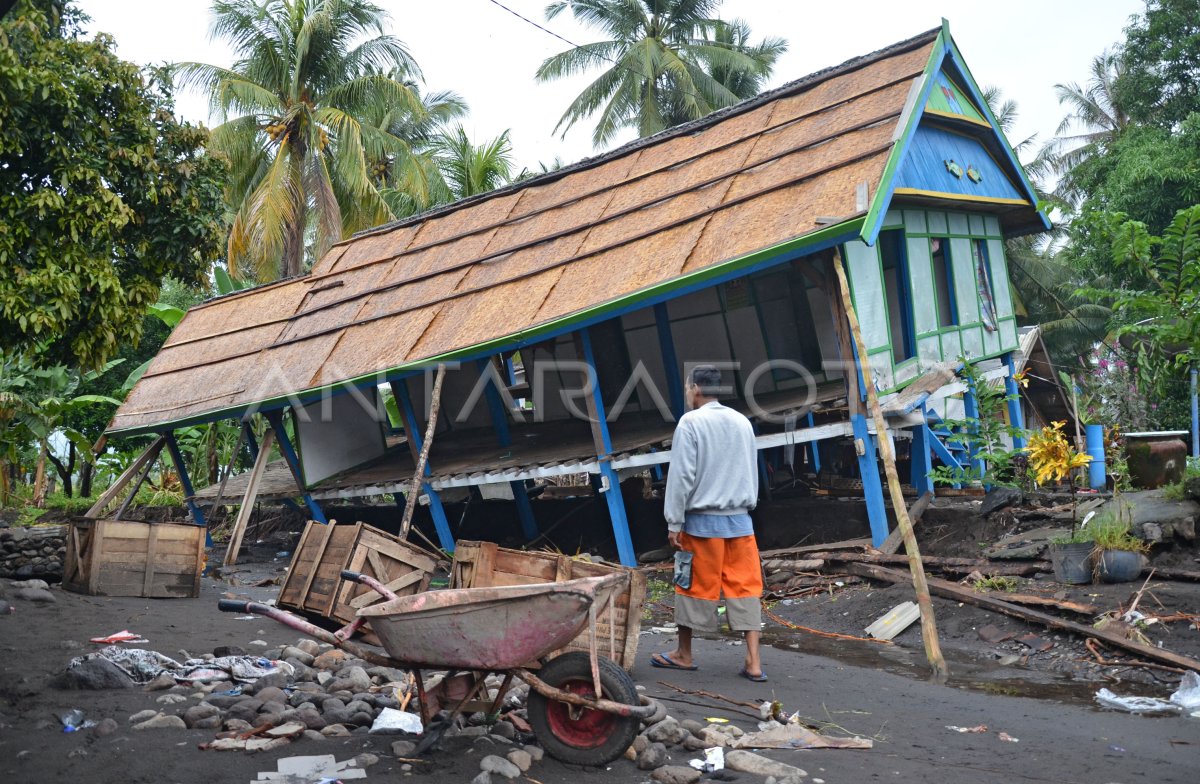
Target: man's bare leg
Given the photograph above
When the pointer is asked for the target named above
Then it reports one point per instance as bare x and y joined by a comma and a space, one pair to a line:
753, 661
682, 655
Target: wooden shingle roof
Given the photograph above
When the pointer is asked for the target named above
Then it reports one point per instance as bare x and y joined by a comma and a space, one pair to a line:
514, 263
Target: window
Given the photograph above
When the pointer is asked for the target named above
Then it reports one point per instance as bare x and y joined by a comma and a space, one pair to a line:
899, 298
943, 282
983, 276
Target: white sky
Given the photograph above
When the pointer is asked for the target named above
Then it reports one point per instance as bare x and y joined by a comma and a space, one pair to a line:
489, 56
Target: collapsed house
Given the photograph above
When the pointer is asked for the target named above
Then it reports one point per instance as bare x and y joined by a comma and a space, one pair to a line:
566, 308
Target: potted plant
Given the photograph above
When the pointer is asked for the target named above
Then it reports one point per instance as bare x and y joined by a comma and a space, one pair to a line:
1053, 459
1119, 556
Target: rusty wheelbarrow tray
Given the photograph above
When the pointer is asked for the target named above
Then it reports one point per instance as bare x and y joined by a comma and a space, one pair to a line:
583, 709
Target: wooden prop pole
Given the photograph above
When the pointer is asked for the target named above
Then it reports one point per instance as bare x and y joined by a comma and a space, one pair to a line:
233, 456
933, 650
419, 475
109, 495
247, 508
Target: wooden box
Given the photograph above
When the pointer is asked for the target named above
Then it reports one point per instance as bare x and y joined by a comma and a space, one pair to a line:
486, 564
314, 583
129, 558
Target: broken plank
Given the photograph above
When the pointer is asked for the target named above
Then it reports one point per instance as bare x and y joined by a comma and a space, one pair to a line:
848, 544
957, 592
786, 565
1049, 601
894, 539
960, 565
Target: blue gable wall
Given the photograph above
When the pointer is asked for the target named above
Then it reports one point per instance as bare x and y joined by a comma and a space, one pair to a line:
924, 168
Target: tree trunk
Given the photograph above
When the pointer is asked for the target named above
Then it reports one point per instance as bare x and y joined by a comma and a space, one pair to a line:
64, 471
39, 477
86, 472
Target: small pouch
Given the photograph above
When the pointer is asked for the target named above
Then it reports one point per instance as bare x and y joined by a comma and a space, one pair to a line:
683, 569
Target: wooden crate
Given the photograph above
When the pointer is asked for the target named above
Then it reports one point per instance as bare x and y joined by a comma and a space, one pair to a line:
314, 583
128, 558
486, 564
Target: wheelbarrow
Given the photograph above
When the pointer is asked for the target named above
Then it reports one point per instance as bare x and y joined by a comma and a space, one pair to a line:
583, 709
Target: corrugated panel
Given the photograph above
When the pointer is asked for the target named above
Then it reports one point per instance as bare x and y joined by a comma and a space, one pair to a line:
741, 181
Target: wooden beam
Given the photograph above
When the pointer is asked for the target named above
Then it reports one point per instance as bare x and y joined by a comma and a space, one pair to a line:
107, 497
957, 592
423, 457
247, 509
933, 650
915, 512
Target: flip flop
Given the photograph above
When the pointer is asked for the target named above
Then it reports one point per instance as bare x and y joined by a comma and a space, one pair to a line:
665, 662
760, 678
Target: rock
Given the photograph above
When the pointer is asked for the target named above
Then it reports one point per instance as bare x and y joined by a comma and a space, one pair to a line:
236, 725
141, 716
663, 732
259, 643
358, 706
329, 660
245, 709
335, 731
749, 762
211, 723
93, 675
277, 679
403, 748
338, 716
482, 777
324, 677
105, 727
352, 679
1191, 487
273, 707
292, 652
693, 743
312, 735
362, 719
387, 674
366, 760
31, 584
692, 726
37, 595
228, 650
225, 701
271, 694
310, 718
535, 753
655, 756
640, 743
171, 699
500, 766
161, 722
6, 608
308, 646
504, 729
676, 774
1000, 498
520, 758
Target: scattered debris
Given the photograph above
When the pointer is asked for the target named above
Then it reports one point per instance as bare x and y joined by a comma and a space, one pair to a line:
895, 621
797, 736
975, 730
305, 770
121, 636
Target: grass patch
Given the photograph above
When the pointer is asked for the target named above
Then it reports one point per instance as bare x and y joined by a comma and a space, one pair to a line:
996, 583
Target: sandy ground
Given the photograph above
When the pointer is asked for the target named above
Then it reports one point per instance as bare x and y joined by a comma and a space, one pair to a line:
868, 689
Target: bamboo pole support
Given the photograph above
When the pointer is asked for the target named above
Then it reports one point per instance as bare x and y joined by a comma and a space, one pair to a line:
419, 475
929, 635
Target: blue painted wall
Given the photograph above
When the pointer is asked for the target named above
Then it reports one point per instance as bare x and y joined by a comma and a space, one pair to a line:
924, 167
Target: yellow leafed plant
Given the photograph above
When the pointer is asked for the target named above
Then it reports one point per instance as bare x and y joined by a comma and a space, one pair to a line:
1052, 457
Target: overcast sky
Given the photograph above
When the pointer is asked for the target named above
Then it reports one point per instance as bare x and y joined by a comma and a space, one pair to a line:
489, 56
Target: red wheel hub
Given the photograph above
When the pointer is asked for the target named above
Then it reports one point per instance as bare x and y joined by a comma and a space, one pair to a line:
590, 730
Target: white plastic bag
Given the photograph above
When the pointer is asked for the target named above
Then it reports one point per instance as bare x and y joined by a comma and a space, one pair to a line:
391, 721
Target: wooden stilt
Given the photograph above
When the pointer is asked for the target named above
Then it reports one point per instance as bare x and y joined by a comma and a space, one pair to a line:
933, 650
243, 518
419, 475
233, 456
109, 495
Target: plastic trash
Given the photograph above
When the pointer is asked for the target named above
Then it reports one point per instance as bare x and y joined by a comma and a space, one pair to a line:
391, 721
122, 636
1187, 696
73, 721
1134, 704
714, 759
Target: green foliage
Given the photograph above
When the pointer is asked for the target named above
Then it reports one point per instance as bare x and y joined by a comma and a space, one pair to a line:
1161, 83
306, 104
102, 191
664, 62
996, 583
1111, 531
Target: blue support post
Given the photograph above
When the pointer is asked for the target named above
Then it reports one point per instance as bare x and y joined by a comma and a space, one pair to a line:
1097, 474
186, 481
666, 344
504, 437
1016, 416
814, 451
610, 482
293, 462
1195, 418
251, 441
868, 469
971, 410
920, 457
412, 431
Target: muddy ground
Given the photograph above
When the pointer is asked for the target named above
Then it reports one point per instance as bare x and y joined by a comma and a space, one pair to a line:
1042, 699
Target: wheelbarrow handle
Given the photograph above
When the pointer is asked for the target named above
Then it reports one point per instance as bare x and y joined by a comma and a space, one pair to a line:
233, 606
352, 576
370, 582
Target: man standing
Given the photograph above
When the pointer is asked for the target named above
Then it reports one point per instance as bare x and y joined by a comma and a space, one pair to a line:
711, 488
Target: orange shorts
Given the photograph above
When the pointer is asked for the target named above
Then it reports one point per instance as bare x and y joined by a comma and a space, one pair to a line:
728, 568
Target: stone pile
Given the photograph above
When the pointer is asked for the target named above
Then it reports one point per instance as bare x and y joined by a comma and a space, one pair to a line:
33, 552
666, 746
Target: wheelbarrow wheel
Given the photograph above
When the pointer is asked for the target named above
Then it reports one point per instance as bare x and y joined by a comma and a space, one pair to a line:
593, 737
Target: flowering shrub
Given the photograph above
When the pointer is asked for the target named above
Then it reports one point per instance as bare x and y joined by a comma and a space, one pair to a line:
1051, 455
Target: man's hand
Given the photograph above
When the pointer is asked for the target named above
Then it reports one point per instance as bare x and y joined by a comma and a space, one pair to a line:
673, 539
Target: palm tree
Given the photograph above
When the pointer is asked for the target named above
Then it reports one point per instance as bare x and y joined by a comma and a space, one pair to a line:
665, 61
468, 169
295, 106
1094, 112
